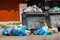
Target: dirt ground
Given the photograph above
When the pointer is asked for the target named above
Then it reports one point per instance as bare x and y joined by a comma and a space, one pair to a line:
55, 36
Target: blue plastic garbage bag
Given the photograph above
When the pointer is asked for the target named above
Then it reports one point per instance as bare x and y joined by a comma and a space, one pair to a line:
39, 31
5, 31
16, 31
22, 31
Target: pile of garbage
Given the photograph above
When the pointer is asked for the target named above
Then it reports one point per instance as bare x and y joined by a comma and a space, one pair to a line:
21, 30
45, 30
15, 31
33, 8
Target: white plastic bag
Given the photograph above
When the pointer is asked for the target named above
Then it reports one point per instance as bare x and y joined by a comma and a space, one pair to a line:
55, 29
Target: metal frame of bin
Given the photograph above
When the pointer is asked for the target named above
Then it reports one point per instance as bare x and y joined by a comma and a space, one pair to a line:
52, 16
31, 14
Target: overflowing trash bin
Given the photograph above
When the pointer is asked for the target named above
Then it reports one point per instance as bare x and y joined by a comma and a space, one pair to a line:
33, 17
